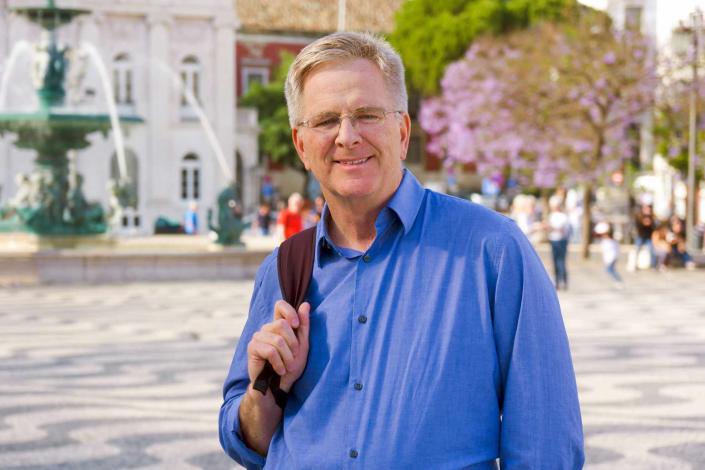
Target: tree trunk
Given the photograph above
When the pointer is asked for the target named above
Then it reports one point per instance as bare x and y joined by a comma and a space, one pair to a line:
587, 221
544, 202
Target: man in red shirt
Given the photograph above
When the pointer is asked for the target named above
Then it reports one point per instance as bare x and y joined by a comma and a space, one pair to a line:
290, 220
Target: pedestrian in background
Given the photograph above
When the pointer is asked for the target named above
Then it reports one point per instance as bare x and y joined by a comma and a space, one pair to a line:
524, 214
313, 215
610, 251
290, 220
191, 219
268, 190
678, 254
264, 218
644, 223
558, 234
661, 245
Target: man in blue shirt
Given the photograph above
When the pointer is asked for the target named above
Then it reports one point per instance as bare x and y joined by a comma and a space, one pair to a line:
432, 337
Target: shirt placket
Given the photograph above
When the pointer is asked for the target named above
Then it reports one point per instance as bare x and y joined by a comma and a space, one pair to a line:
356, 382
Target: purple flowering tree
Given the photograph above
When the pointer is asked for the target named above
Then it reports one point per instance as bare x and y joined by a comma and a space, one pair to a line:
550, 106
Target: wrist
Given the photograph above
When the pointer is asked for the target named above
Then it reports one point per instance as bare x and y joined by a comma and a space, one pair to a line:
275, 398
258, 398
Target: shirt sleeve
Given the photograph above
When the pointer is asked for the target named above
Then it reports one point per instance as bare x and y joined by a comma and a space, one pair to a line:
541, 425
238, 379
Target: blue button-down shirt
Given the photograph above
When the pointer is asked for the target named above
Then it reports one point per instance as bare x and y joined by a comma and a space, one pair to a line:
440, 347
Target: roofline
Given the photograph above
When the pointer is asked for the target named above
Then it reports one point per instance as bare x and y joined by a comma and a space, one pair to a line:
273, 36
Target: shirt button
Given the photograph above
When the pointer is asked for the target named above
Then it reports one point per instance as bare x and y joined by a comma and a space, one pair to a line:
358, 386
366, 258
353, 454
362, 319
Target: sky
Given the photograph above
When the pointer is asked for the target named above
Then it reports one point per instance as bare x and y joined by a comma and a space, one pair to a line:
669, 13
601, 4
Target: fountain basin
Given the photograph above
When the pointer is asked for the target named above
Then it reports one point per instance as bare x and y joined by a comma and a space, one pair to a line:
50, 17
54, 131
27, 259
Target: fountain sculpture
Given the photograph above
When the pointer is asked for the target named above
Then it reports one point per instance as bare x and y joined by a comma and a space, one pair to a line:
50, 201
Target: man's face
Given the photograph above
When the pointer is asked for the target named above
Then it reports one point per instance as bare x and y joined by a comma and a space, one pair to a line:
355, 163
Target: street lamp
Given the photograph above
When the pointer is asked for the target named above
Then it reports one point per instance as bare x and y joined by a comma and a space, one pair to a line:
697, 22
342, 7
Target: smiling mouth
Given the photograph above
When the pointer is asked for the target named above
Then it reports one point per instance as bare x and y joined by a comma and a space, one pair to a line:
353, 162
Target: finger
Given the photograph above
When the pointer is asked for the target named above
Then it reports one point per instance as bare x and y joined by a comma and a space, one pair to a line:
284, 310
279, 343
283, 328
305, 321
287, 342
255, 362
268, 352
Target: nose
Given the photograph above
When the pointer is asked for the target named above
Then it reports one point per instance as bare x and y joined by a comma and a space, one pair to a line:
348, 136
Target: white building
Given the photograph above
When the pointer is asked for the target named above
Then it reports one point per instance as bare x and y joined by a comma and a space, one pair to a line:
659, 19
149, 48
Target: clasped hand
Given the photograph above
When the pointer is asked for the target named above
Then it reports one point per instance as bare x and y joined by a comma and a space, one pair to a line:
283, 343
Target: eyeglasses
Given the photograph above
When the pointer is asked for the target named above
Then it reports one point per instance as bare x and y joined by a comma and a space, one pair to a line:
361, 119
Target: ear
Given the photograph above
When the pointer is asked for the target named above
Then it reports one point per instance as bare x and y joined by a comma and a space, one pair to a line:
299, 146
404, 134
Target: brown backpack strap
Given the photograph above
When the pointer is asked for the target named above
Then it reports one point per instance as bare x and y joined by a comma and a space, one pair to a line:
294, 267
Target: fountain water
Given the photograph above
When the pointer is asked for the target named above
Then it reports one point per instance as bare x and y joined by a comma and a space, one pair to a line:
112, 109
230, 225
205, 123
21, 47
52, 205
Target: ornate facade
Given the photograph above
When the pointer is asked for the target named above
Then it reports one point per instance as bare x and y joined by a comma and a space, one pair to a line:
160, 55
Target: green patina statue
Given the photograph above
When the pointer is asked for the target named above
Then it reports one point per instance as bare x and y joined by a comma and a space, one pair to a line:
50, 68
47, 205
230, 223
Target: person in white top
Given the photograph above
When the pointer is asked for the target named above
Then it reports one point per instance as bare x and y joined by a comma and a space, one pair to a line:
610, 250
558, 235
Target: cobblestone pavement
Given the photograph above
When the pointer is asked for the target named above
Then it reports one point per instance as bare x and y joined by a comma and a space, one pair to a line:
639, 355
129, 376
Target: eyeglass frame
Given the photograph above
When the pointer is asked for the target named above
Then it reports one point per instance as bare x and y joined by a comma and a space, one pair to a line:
353, 121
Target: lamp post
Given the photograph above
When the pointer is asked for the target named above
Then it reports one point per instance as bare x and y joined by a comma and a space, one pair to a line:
697, 21
342, 13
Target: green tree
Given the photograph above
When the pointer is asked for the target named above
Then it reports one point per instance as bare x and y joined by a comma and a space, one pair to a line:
273, 119
430, 34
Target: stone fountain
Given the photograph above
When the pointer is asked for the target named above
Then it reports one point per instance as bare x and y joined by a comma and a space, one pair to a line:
50, 201
49, 232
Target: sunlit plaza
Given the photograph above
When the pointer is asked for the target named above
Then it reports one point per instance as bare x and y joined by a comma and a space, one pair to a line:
130, 375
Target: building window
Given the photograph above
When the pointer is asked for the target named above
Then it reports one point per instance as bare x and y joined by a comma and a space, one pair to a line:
123, 86
252, 75
632, 18
190, 178
190, 78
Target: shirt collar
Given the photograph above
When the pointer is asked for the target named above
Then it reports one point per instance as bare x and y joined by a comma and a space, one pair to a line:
405, 203
407, 199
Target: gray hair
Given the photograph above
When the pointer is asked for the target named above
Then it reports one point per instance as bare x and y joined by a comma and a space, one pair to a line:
339, 47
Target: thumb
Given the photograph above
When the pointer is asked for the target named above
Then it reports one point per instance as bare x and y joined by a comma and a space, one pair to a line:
304, 323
